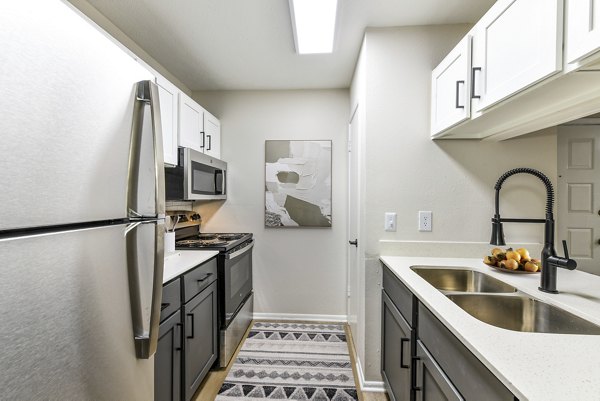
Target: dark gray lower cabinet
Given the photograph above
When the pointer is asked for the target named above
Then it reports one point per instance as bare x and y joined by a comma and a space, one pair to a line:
200, 342
396, 352
432, 384
467, 373
167, 360
443, 369
187, 340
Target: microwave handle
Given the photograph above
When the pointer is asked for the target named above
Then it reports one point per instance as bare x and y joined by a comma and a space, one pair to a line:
223, 182
222, 186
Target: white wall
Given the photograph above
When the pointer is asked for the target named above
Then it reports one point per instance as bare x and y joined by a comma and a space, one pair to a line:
406, 172
452, 178
296, 270
125, 41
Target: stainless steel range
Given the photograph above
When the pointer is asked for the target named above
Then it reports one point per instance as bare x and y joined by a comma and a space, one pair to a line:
234, 269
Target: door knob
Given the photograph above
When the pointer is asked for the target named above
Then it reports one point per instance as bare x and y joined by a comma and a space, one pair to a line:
355, 242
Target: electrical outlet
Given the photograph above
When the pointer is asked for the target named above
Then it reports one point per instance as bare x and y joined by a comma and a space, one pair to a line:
425, 221
390, 222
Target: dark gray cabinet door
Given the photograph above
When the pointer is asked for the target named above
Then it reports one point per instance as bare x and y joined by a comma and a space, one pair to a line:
471, 377
200, 345
396, 352
167, 360
431, 383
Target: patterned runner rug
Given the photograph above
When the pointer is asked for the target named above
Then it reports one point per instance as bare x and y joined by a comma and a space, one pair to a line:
291, 361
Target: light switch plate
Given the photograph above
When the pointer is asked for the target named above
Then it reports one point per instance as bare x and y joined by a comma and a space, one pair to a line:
390, 222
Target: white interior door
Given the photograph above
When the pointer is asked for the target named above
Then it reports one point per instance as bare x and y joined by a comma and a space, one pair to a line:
353, 221
579, 194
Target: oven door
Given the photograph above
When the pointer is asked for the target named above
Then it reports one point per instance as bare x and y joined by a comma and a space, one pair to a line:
237, 280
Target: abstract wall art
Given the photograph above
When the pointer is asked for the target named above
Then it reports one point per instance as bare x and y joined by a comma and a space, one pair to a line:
297, 183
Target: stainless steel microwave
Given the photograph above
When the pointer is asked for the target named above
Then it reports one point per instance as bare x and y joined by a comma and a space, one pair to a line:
196, 177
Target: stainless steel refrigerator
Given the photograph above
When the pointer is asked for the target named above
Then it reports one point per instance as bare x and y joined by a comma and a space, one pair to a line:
81, 210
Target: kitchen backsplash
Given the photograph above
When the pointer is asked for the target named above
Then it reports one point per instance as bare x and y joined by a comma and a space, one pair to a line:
174, 206
447, 248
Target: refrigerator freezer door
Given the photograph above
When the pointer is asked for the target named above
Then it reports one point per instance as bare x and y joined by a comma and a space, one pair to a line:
67, 331
67, 101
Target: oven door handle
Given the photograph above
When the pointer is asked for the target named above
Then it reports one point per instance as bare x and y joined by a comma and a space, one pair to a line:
240, 252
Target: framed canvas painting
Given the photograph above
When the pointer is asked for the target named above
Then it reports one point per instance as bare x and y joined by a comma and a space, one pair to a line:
297, 183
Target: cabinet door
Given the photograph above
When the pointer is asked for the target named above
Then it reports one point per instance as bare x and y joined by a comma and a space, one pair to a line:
516, 44
191, 123
450, 85
471, 377
212, 131
200, 346
396, 352
431, 382
168, 96
167, 360
582, 30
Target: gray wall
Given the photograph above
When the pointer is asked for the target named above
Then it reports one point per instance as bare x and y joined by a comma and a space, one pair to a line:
297, 270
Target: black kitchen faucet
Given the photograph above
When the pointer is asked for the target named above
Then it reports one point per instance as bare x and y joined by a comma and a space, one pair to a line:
549, 259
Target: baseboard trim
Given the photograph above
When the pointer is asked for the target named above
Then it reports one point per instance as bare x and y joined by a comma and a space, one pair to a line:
368, 385
301, 317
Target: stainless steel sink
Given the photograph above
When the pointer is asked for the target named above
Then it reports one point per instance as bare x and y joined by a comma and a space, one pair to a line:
521, 313
461, 280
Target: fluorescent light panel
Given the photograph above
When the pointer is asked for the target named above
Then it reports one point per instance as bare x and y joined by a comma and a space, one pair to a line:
314, 25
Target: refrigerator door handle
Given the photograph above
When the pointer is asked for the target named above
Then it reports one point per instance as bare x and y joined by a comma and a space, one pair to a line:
145, 301
146, 94
130, 227
145, 277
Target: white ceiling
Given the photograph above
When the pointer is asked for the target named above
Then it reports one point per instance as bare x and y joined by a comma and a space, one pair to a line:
248, 44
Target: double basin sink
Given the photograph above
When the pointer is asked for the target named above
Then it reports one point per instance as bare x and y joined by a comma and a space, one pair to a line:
500, 304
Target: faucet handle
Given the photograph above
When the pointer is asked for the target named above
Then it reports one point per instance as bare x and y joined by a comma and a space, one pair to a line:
564, 242
566, 262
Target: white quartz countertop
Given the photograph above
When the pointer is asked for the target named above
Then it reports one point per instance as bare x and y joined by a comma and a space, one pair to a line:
534, 366
179, 262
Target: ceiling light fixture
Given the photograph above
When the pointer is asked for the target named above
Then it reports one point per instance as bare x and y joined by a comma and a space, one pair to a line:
313, 23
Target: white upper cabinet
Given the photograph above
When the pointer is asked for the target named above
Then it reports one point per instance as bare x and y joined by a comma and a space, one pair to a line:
582, 29
521, 80
168, 96
516, 44
191, 123
450, 88
212, 135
